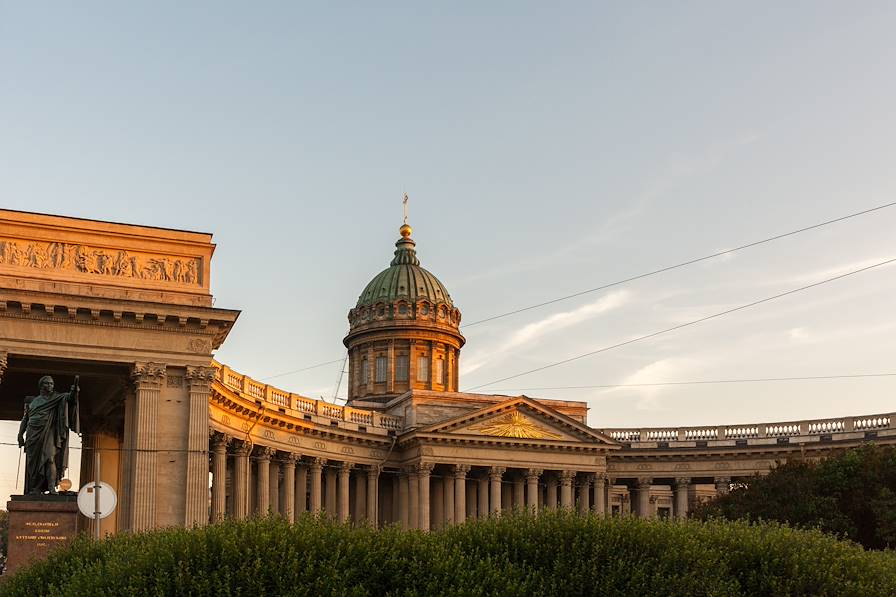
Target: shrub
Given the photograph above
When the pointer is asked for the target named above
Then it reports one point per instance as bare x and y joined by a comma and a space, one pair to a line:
852, 495
554, 554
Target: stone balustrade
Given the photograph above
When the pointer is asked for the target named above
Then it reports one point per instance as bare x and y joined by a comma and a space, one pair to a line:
276, 399
817, 430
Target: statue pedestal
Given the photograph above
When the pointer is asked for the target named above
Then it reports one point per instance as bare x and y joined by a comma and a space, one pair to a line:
39, 524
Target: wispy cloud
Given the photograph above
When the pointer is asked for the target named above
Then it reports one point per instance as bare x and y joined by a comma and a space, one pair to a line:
530, 333
830, 272
558, 321
661, 371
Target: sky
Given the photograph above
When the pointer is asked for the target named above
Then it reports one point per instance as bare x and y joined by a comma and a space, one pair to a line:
547, 148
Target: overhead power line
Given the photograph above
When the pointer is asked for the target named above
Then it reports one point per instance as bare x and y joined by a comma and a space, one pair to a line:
630, 279
698, 382
683, 325
679, 265
339, 360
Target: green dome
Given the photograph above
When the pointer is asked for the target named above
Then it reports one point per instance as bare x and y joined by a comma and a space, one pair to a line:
404, 279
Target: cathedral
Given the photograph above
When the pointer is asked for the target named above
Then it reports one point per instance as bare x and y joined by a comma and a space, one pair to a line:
186, 440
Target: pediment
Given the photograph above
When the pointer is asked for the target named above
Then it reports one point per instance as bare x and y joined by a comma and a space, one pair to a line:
519, 418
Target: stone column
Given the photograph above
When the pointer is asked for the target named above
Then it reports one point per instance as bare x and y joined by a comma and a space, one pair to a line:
359, 511
274, 491
219, 476
413, 499
584, 491
404, 501
330, 492
519, 492
460, 492
682, 484
262, 457
317, 466
448, 499
532, 476
432, 350
566, 481
240, 479
495, 474
343, 509
644, 484
423, 471
301, 487
550, 497
199, 382
723, 485
600, 493
373, 476
147, 379
288, 491
3, 361
390, 367
482, 511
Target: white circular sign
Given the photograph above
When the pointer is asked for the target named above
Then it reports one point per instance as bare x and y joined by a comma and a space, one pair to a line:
87, 500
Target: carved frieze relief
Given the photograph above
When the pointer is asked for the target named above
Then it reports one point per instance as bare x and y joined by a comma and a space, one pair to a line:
199, 345
514, 424
86, 259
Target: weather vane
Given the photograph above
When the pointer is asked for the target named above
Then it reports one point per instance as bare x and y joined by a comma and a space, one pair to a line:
405, 207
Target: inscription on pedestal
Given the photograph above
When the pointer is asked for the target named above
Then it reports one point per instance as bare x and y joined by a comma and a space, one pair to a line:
38, 525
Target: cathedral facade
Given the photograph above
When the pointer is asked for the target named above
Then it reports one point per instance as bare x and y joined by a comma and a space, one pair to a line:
186, 440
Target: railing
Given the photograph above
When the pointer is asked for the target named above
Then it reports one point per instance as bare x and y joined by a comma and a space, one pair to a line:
755, 431
282, 399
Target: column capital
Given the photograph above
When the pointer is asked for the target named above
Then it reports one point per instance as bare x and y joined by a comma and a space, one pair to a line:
4, 356
532, 474
682, 481
460, 470
723, 484
644, 482
586, 480
495, 473
567, 477
218, 440
346, 467
317, 464
600, 477
239, 447
373, 470
148, 376
263, 453
200, 378
424, 468
287, 458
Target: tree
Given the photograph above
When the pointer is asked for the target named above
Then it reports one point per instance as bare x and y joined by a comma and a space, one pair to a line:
852, 494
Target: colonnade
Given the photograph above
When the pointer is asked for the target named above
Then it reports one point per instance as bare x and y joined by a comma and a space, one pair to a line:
431, 495
257, 480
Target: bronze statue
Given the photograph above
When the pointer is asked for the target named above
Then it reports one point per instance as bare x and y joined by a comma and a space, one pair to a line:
44, 434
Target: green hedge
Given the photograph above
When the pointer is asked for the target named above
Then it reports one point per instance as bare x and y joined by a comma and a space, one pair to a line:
514, 555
